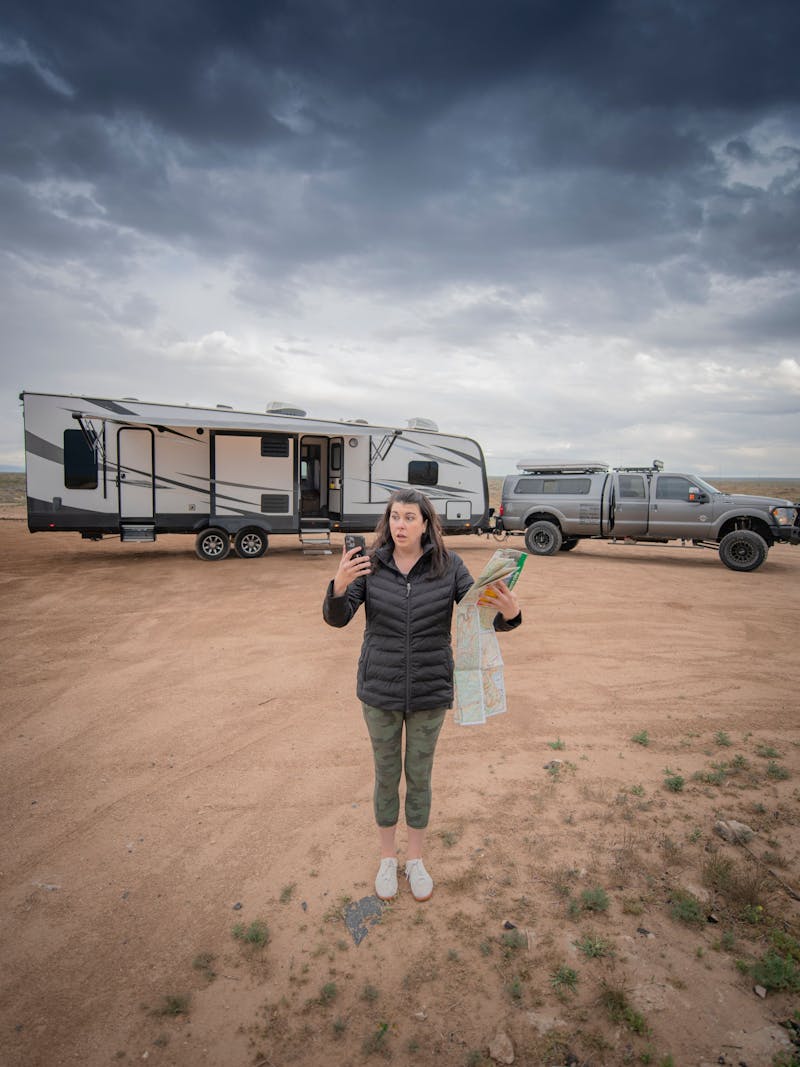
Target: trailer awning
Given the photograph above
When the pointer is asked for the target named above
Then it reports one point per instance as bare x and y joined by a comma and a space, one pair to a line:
156, 415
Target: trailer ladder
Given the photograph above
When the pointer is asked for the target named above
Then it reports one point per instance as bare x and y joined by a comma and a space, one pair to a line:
315, 536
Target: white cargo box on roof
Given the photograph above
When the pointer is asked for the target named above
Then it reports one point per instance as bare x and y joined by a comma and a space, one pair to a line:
532, 466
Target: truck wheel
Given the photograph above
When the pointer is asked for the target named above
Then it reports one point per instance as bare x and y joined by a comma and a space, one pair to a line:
250, 543
212, 544
569, 543
543, 538
742, 550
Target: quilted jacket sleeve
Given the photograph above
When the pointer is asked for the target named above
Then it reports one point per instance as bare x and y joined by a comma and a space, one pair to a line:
339, 610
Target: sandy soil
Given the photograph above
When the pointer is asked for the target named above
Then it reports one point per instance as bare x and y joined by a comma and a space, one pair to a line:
182, 751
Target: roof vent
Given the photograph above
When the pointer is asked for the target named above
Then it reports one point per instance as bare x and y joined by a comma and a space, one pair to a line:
356, 422
224, 407
422, 424
280, 407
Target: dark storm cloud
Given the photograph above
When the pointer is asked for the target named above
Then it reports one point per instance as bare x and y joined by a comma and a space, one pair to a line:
471, 137
545, 174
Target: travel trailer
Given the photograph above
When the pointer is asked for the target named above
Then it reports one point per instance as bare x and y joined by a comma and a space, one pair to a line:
136, 470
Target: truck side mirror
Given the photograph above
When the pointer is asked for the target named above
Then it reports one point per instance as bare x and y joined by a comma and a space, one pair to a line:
697, 496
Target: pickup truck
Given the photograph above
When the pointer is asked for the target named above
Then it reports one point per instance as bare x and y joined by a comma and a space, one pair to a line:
556, 505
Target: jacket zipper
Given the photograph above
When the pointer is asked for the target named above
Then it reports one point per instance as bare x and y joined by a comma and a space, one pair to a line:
408, 646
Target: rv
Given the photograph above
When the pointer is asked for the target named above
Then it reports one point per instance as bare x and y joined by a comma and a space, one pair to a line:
135, 470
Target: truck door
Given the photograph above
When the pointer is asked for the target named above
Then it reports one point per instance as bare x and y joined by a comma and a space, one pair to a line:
135, 466
630, 505
678, 508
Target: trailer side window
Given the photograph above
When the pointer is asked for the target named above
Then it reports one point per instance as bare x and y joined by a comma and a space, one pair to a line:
423, 472
80, 461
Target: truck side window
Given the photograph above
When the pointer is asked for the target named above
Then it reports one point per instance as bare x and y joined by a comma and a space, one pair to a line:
631, 487
672, 487
80, 461
552, 486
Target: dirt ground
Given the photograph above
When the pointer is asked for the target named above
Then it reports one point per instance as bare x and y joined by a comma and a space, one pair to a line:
182, 751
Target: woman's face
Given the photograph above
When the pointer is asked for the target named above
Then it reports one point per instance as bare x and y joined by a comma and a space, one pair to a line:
406, 525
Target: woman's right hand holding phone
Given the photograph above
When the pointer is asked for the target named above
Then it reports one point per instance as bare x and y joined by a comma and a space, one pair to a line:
353, 564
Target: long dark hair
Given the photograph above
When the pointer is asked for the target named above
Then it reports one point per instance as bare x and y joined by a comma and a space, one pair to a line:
433, 532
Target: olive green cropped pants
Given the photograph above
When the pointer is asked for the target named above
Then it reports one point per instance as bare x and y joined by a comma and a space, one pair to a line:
386, 733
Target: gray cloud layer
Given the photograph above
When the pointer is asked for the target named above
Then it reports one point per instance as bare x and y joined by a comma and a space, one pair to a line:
576, 226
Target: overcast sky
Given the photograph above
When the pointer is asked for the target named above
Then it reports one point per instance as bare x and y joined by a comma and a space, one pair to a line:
567, 228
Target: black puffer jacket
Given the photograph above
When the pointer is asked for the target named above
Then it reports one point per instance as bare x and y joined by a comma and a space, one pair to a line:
406, 661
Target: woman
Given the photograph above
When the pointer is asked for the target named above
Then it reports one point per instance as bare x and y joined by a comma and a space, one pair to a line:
408, 585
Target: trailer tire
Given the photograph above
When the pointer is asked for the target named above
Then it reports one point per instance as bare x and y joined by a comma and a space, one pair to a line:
743, 550
569, 543
212, 544
543, 538
250, 543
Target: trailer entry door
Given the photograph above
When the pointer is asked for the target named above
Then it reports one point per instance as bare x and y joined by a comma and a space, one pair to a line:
135, 467
335, 474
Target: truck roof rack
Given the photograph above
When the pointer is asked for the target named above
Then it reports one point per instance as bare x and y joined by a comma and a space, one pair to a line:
656, 465
532, 466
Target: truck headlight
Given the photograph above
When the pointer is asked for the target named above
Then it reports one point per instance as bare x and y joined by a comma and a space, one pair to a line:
783, 516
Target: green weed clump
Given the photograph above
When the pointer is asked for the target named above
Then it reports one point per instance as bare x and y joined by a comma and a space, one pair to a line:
257, 933
512, 941
594, 947
767, 752
777, 973
777, 771
557, 745
642, 738
615, 1001
673, 782
174, 1005
595, 899
328, 993
565, 979
686, 908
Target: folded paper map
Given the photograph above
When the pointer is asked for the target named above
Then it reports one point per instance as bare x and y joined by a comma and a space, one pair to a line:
480, 689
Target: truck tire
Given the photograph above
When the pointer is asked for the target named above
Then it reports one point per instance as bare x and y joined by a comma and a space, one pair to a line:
212, 544
250, 543
742, 550
569, 543
543, 538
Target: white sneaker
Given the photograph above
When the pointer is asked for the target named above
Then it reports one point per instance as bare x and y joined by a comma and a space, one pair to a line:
386, 879
420, 881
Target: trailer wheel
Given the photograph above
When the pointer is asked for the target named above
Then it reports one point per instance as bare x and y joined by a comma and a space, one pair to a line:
569, 543
212, 544
743, 550
250, 543
543, 538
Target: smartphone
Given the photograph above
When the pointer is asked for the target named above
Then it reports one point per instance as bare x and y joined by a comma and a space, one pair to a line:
355, 541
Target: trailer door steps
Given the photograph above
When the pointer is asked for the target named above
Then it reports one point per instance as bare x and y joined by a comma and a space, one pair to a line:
315, 537
139, 531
